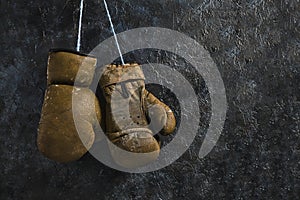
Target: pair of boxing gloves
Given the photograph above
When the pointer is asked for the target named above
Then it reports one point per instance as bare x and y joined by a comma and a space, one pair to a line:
132, 114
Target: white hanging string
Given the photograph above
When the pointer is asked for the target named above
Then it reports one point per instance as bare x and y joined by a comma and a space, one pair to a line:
79, 26
113, 30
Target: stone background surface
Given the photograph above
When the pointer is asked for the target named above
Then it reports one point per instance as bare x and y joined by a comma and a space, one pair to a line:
256, 46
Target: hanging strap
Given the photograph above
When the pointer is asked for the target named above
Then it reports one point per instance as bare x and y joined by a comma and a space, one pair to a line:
111, 25
79, 26
113, 30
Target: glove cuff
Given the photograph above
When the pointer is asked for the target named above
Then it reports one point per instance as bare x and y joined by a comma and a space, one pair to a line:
64, 67
119, 73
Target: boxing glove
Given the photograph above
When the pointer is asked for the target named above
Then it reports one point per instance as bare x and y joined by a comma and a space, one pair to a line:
133, 116
68, 109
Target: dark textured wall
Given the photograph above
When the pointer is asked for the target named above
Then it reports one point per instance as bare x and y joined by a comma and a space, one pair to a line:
255, 44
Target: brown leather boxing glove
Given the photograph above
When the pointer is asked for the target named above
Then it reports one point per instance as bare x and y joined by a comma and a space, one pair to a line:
58, 137
130, 108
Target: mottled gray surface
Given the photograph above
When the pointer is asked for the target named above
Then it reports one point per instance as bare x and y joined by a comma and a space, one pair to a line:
255, 44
